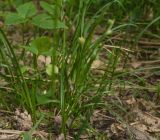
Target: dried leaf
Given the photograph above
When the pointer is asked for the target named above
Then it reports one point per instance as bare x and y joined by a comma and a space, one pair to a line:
22, 120
136, 64
97, 64
139, 135
131, 101
152, 123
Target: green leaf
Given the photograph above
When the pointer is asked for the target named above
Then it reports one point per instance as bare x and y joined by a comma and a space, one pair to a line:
32, 49
49, 69
27, 136
17, 3
46, 98
42, 44
27, 10
14, 19
49, 53
24, 69
47, 7
47, 22
42, 99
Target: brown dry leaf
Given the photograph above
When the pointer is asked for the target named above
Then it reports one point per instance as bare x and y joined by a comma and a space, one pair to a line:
116, 128
16, 38
131, 101
95, 113
119, 69
136, 64
57, 123
22, 120
139, 135
15, 134
48, 60
43, 135
152, 123
60, 137
43, 60
9, 137
147, 105
97, 64
139, 126
58, 120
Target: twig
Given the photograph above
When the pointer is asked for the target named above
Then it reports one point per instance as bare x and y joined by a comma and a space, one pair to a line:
139, 42
5, 111
11, 132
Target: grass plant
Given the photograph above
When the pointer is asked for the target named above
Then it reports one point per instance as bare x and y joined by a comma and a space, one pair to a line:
65, 33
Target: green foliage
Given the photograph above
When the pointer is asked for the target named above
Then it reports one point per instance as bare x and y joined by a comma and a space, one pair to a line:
18, 2
40, 46
46, 21
14, 18
47, 7
64, 32
46, 98
27, 12
69, 77
24, 12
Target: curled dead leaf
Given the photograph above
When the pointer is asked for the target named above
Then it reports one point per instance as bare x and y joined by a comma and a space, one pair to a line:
147, 122
22, 120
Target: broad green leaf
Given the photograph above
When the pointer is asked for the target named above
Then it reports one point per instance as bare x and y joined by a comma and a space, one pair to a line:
45, 98
32, 49
42, 99
49, 53
17, 3
42, 44
47, 7
27, 10
47, 22
14, 19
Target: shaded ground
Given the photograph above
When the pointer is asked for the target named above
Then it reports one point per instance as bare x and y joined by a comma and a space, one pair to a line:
132, 112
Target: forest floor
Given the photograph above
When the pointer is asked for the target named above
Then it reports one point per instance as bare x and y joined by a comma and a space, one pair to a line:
132, 112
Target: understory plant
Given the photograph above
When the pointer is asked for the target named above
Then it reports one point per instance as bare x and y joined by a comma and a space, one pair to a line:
64, 33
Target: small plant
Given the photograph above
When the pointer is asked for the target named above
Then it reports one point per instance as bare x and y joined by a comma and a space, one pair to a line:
66, 82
